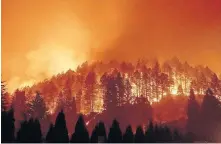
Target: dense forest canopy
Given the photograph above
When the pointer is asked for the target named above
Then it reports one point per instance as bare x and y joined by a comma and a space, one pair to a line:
91, 84
172, 93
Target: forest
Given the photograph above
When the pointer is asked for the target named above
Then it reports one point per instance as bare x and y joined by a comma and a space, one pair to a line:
174, 100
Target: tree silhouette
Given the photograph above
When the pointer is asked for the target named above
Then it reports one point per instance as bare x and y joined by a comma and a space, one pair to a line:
102, 137
115, 135
23, 133
50, 134
139, 136
99, 133
80, 134
37, 135
94, 135
37, 108
30, 131
60, 129
210, 116
90, 86
192, 114
128, 136
7, 126
149, 134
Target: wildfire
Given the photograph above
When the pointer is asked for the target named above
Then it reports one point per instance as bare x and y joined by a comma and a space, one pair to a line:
174, 91
52, 107
134, 86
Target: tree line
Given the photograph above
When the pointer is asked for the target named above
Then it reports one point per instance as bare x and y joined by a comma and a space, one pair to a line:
93, 85
30, 131
203, 123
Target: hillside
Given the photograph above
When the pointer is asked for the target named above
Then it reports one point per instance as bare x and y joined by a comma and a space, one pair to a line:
99, 87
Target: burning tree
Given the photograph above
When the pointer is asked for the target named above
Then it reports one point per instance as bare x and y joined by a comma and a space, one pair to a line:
90, 91
37, 108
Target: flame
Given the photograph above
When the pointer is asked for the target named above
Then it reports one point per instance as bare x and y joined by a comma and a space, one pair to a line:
174, 91
52, 106
155, 100
27, 83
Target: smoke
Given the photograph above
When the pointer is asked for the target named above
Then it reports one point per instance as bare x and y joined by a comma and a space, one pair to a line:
189, 30
53, 36
63, 45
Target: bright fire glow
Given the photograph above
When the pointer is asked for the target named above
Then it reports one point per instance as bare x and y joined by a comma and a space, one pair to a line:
174, 91
52, 106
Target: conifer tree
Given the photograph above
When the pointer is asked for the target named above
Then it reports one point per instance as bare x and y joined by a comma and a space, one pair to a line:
139, 136
90, 91
37, 108
149, 134
50, 134
60, 129
128, 136
115, 135
192, 113
80, 134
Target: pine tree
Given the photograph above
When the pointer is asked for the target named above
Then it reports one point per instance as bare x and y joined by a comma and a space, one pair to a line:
7, 126
156, 80
137, 81
139, 136
37, 135
120, 89
210, 116
128, 136
99, 134
89, 92
80, 134
192, 114
102, 137
115, 135
60, 129
127, 96
164, 83
94, 135
23, 133
149, 134
37, 108
50, 134
78, 101
110, 93
214, 84
202, 82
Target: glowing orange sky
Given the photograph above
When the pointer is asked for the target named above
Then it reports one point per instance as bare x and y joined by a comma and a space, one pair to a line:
43, 37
